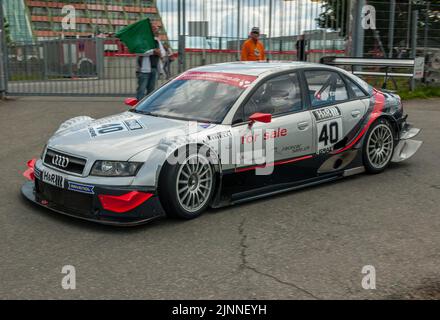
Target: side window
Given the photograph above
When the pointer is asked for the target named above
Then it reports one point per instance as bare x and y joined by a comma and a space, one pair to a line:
278, 95
356, 89
325, 87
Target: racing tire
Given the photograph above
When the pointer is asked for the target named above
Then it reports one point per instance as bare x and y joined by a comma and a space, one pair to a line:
186, 187
378, 146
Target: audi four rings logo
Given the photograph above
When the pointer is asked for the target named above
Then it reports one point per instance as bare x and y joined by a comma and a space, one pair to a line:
60, 161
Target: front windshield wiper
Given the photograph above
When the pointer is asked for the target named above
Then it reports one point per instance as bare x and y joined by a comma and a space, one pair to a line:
143, 112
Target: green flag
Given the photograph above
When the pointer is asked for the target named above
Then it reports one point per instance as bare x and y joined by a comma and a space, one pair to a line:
138, 37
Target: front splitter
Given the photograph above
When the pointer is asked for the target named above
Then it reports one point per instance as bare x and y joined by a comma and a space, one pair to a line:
28, 191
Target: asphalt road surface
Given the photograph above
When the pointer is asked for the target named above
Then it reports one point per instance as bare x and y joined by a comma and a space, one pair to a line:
308, 244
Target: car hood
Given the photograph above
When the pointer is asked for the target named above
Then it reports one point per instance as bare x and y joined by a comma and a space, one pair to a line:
117, 137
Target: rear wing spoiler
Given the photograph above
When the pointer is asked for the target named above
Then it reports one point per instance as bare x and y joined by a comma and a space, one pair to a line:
384, 67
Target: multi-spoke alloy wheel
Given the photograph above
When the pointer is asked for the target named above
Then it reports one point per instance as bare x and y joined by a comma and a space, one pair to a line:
379, 146
194, 183
186, 188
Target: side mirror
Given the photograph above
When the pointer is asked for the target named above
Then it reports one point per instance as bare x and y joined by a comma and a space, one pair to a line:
260, 117
131, 102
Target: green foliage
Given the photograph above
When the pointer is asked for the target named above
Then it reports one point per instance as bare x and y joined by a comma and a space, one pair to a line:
334, 15
7, 31
422, 92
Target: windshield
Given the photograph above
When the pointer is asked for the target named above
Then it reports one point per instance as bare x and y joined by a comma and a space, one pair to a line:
197, 96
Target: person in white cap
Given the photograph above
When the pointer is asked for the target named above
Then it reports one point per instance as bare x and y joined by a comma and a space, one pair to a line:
253, 49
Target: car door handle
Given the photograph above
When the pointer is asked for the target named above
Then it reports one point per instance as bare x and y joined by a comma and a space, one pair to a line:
355, 113
303, 125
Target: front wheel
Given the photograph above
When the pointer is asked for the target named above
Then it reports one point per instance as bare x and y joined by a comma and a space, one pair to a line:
186, 188
378, 146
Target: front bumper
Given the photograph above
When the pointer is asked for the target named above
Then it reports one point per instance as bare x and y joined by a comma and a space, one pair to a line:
88, 206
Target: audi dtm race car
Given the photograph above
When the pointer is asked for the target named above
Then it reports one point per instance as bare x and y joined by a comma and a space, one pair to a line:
219, 135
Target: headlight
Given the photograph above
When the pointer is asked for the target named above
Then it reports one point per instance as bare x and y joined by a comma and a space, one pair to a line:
115, 168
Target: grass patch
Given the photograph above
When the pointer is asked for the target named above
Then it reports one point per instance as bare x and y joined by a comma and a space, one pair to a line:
422, 92
401, 87
25, 77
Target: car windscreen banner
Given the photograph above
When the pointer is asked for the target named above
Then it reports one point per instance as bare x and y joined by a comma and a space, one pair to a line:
237, 80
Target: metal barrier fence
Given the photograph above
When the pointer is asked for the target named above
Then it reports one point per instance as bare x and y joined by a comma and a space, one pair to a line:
103, 67
200, 32
212, 31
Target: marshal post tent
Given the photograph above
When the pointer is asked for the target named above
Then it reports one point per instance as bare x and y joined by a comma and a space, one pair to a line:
138, 37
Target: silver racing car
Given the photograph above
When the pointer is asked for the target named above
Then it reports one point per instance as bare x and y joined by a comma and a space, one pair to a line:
219, 135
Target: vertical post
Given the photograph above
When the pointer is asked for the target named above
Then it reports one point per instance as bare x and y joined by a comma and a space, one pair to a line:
391, 28
26, 71
179, 18
45, 60
179, 37
100, 57
3, 57
238, 29
349, 29
183, 34
70, 57
408, 32
425, 40
205, 33
358, 31
414, 20
270, 19
270, 27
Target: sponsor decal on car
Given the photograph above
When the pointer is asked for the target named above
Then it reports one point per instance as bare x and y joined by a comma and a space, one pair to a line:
329, 128
292, 148
219, 135
133, 124
120, 126
237, 80
37, 173
52, 178
326, 113
80, 187
272, 134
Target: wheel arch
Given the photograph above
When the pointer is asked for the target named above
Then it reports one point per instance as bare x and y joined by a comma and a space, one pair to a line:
392, 121
213, 158
370, 164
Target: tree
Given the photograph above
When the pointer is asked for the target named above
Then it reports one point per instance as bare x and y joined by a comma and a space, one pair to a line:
7, 31
334, 15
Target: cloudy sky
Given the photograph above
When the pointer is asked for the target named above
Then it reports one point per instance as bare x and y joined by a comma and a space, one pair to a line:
288, 17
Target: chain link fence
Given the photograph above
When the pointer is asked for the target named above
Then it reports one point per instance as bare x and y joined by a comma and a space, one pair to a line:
203, 32
405, 29
199, 31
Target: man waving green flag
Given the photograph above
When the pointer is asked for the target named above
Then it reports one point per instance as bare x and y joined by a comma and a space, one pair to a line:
143, 39
138, 37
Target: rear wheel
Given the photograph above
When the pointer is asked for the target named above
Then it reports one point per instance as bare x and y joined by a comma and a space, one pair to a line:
186, 188
378, 146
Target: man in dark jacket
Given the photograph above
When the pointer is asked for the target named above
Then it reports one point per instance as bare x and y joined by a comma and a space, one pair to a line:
301, 49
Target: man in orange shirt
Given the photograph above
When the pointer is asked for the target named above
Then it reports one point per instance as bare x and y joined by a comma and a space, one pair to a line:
253, 49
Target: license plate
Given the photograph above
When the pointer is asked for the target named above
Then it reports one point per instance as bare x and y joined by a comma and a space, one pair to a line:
52, 178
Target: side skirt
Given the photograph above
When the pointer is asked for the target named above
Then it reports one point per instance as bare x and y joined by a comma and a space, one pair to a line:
271, 190
276, 189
